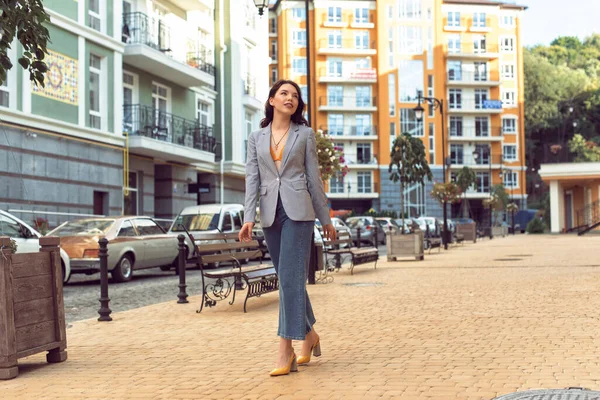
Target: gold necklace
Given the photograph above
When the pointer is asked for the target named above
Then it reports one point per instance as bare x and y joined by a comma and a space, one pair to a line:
280, 139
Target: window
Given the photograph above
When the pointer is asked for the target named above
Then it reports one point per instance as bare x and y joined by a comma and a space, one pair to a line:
454, 70
411, 77
361, 40
509, 125
456, 126
479, 44
361, 16
10, 227
391, 47
299, 14
507, 21
95, 115
483, 154
298, 38
392, 134
481, 74
511, 180
390, 12
274, 48
363, 125
5, 92
126, 230
509, 98
273, 25
363, 153
508, 71
456, 154
147, 227
509, 152
482, 127
249, 127
479, 20
482, 182
409, 123
364, 182
334, 67
94, 15
409, 9
455, 98
453, 43
361, 63
334, 14
203, 113
335, 124
129, 99
507, 44
363, 96
334, 39
431, 143
335, 96
299, 66
430, 85
392, 93
336, 183
454, 19
273, 75
481, 96
130, 201
411, 41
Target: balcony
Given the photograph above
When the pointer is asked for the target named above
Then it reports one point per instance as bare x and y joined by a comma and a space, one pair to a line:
474, 106
165, 136
349, 189
347, 47
472, 50
249, 99
348, 75
471, 78
350, 132
347, 103
475, 134
149, 48
480, 26
481, 160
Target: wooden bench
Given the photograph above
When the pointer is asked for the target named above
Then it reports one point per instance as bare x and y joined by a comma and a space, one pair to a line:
357, 255
433, 243
219, 284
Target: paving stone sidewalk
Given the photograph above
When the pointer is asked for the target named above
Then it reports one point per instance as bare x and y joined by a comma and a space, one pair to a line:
475, 322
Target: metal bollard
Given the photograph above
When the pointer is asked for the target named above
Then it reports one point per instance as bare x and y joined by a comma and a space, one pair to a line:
358, 237
104, 310
182, 295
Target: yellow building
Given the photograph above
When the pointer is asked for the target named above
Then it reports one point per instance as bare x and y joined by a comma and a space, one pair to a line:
370, 62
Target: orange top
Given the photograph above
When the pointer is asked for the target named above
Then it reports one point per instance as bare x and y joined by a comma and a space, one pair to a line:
277, 156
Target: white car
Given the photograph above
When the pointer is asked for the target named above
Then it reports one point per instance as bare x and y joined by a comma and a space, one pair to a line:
28, 240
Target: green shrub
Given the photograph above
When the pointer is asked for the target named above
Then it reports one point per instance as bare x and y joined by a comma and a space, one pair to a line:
536, 226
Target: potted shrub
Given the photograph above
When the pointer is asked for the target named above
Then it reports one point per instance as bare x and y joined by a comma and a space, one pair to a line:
408, 166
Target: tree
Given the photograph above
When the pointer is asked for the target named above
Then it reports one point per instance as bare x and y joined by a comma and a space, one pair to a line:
408, 165
465, 178
499, 192
24, 19
586, 151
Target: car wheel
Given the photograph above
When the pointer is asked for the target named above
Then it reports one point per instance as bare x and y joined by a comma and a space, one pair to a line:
62, 268
167, 267
426, 245
124, 269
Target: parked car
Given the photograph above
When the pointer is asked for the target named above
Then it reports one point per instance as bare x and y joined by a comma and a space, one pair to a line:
28, 240
367, 226
164, 223
430, 222
408, 224
134, 243
339, 226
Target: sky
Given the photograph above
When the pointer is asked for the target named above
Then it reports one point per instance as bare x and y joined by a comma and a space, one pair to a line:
545, 20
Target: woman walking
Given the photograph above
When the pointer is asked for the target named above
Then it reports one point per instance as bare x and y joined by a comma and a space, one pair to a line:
282, 166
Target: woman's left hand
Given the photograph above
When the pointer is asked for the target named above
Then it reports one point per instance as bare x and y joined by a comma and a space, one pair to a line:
329, 232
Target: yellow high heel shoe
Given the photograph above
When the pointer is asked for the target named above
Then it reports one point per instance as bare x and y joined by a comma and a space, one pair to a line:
315, 350
292, 366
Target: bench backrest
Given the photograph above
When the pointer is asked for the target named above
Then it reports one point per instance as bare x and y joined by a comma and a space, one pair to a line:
343, 237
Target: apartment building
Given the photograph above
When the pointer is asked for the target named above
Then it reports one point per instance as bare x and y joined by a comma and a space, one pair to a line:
373, 60
131, 114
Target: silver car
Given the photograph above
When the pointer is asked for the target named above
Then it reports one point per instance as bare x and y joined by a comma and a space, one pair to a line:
367, 225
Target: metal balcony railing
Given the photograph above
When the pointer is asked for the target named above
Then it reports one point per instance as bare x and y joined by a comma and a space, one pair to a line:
474, 104
483, 158
140, 120
346, 44
349, 130
471, 76
589, 215
474, 131
249, 85
472, 48
349, 74
138, 28
347, 101
353, 187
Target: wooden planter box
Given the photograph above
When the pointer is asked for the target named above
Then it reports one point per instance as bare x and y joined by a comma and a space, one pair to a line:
408, 245
469, 231
32, 313
499, 231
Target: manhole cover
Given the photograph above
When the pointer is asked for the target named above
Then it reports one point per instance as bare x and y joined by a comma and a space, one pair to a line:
552, 394
363, 284
508, 259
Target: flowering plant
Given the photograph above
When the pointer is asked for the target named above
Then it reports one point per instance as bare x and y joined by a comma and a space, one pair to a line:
446, 192
491, 202
512, 207
331, 158
41, 224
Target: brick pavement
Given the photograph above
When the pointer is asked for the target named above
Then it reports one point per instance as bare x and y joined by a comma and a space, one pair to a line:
459, 325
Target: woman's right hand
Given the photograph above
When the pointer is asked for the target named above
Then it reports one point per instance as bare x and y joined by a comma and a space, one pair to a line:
246, 232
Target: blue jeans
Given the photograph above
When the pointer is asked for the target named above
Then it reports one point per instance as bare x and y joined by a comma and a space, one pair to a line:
289, 244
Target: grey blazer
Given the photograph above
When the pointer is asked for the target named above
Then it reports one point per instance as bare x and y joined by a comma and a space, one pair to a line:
298, 180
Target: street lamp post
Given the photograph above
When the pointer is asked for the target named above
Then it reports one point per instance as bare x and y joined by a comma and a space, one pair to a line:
437, 104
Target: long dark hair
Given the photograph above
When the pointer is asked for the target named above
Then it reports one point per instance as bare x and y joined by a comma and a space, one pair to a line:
297, 117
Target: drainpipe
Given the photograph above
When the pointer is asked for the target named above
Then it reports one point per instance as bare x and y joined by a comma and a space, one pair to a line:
222, 51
